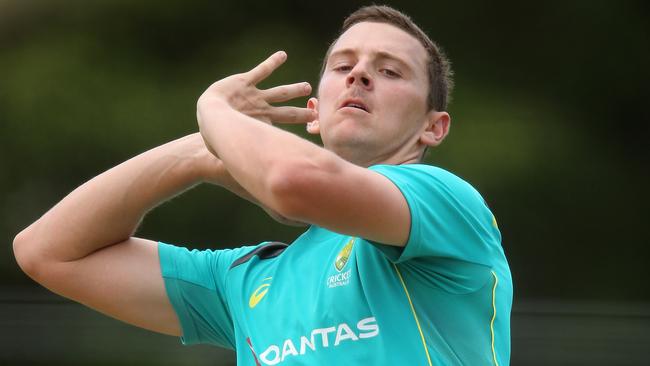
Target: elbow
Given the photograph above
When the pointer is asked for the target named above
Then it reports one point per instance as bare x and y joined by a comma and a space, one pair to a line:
25, 254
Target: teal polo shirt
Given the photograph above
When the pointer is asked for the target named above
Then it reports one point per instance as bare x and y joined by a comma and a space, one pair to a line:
332, 299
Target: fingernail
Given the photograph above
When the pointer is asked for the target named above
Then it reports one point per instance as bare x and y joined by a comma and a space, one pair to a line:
307, 88
282, 54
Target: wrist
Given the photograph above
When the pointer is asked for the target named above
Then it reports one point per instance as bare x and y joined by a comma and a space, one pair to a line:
201, 164
190, 155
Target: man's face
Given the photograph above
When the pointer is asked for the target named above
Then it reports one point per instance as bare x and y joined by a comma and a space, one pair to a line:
372, 103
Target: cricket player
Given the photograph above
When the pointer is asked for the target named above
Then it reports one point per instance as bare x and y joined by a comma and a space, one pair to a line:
401, 262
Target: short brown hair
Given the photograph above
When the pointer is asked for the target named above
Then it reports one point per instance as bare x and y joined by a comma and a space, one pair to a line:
438, 66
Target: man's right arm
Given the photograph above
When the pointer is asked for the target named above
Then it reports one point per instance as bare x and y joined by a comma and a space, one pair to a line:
83, 247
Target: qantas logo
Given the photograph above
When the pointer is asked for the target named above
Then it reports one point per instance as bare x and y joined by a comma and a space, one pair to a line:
318, 338
259, 293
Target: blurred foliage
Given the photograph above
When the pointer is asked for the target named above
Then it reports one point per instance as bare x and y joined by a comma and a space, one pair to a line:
549, 118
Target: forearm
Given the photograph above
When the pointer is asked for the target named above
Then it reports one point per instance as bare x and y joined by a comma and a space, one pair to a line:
108, 208
259, 156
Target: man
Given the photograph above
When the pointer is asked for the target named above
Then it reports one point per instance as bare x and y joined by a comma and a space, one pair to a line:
401, 265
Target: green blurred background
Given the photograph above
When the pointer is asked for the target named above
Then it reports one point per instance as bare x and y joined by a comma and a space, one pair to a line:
549, 122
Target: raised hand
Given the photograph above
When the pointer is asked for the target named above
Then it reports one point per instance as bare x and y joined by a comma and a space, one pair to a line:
240, 92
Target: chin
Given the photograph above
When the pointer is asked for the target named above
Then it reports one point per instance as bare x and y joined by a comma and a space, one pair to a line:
353, 149
346, 140
347, 132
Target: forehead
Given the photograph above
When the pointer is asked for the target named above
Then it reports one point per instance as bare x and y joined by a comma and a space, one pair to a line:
382, 38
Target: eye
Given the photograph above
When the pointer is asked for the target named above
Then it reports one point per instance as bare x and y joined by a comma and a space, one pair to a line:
342, 68
390, 73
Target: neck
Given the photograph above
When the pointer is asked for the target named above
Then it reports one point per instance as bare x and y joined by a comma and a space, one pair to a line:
357, 158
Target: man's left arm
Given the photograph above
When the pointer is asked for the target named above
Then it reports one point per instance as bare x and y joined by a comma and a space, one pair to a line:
290, 175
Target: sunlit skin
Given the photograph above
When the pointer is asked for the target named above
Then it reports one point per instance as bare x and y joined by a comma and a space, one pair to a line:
384, 69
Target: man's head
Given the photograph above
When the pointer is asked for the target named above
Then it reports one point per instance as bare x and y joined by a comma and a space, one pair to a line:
438, 66
383, 63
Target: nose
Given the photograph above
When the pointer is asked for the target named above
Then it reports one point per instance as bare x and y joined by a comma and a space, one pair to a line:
360, 77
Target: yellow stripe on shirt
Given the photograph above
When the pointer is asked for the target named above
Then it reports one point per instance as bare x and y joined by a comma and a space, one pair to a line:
494, 315
417, 322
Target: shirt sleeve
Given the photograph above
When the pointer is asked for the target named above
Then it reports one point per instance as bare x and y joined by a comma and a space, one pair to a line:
196, 284
453, 233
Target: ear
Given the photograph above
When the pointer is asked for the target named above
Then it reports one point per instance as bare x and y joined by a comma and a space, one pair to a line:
313, 127
436, 129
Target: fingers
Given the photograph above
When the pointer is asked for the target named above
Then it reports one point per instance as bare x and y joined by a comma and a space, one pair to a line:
279, 94
266, 68
291, 115
286, 92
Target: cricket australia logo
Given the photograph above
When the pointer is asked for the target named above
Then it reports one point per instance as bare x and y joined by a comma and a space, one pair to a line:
341, 278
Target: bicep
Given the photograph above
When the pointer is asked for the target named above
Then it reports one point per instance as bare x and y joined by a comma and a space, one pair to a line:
360, 202
123, 281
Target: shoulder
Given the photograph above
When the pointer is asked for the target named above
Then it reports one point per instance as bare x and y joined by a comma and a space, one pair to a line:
428, 179
415, 171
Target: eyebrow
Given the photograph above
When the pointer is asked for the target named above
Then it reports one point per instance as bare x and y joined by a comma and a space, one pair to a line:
378, 54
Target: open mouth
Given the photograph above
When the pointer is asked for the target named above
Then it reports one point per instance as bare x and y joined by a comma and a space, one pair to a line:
355, 104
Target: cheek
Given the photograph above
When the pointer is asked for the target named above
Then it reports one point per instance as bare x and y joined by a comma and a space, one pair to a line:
405, 104
326, 96
410, 95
